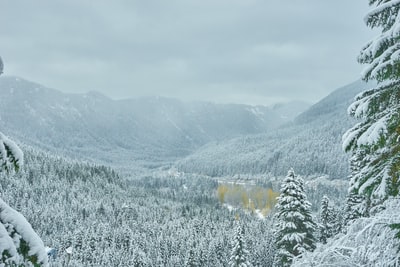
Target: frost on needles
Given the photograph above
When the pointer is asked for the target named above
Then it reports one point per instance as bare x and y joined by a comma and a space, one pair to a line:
295, 227
375, 140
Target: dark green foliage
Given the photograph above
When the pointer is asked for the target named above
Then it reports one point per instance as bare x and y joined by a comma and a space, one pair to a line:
396, 227
380, 54
23, 250
374, 142
376, 165
5, 255
9, 160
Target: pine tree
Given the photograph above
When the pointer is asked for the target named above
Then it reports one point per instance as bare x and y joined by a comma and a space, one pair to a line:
294, 228
327, 219
239, 254
374, 142
191, 259
19, 244
382, 54
355, 208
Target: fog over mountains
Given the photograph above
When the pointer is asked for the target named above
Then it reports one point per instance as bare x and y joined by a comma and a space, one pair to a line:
145, 131
196, 137
311, 144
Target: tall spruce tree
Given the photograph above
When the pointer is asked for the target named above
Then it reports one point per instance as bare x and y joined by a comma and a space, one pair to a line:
239, 254
328, 220
295, 227
375, 141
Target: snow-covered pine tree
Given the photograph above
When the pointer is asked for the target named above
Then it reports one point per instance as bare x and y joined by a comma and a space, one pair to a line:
355, 208
374, 142
295, 227
191, 258
327, 220
239, 254
382, 54
19, 244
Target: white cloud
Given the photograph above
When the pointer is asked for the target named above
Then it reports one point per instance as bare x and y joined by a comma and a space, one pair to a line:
265, 50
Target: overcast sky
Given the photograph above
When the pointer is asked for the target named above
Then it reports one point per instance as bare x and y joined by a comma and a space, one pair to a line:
241, 51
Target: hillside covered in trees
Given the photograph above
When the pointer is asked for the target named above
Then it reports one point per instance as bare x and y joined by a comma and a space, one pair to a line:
91, 181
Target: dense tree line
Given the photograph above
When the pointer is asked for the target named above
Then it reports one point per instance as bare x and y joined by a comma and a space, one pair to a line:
91, 216
314, 149
147, 221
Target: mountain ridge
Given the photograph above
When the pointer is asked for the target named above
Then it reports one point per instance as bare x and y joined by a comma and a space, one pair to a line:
128, 131
311, 144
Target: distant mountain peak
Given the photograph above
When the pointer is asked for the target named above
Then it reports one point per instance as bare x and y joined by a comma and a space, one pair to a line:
290, 110
91, 125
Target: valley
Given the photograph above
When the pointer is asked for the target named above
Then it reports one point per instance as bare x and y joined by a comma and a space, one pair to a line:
159, 182
200, 133
145, 132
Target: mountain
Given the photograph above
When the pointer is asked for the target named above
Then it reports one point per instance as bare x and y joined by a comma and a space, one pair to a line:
290, 110
311, 144
147, 131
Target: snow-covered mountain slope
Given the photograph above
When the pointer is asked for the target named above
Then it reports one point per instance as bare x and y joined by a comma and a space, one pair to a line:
290, 110
123, 132
311, 144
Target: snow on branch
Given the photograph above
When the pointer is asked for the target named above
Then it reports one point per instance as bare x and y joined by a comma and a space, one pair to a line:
368, 242
11, 156
20, 229
375, 16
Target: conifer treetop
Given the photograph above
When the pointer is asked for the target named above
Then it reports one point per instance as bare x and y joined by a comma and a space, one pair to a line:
382, 54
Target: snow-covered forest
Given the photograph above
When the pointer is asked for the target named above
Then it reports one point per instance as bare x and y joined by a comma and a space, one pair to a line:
86, 180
